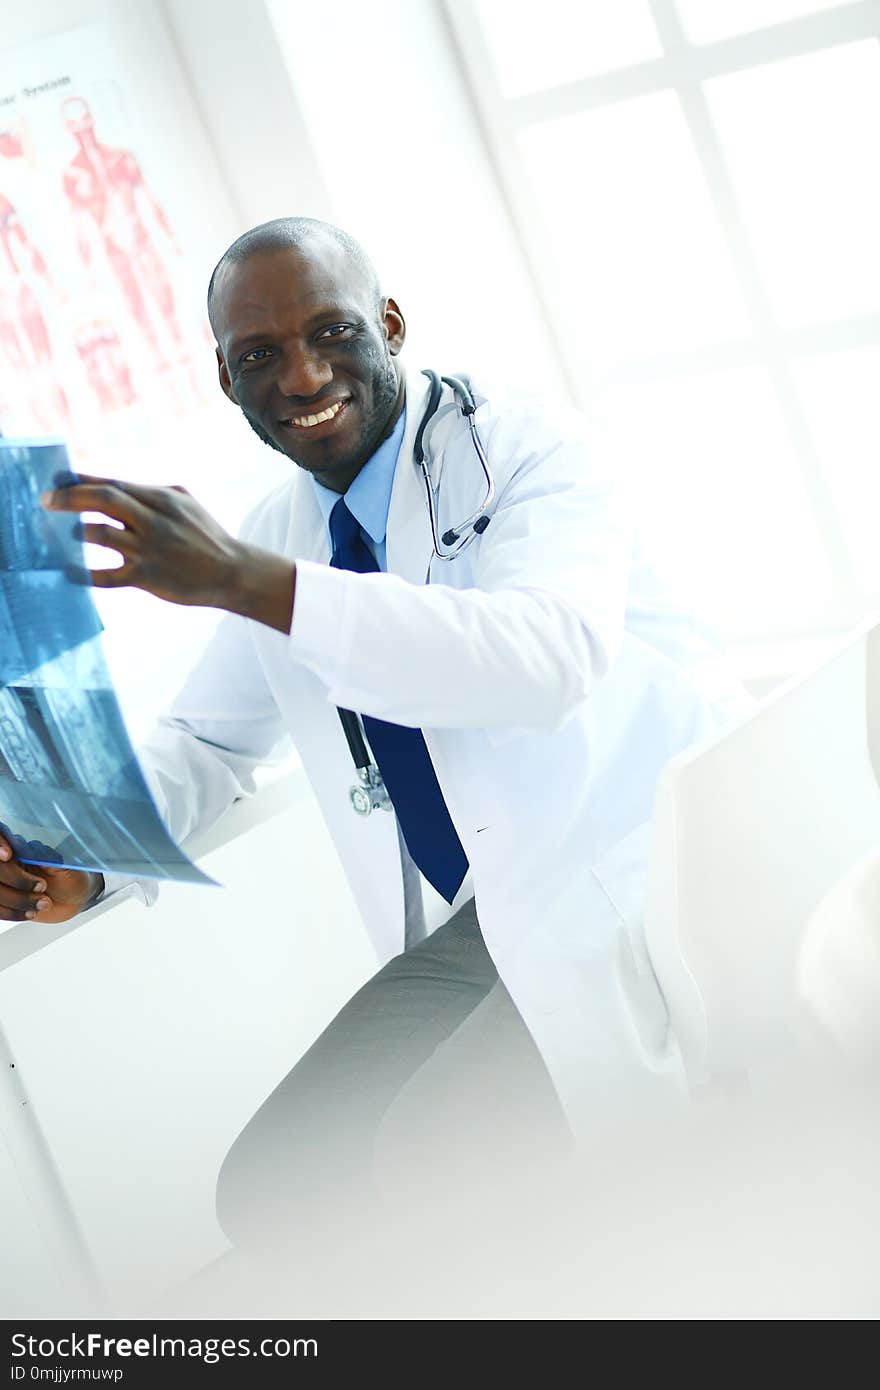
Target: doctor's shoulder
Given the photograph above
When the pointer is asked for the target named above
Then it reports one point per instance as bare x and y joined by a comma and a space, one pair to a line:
526, 425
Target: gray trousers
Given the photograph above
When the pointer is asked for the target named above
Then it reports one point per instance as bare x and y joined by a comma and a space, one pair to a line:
426, 1086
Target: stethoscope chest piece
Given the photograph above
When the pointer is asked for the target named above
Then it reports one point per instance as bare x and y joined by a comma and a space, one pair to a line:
369, 794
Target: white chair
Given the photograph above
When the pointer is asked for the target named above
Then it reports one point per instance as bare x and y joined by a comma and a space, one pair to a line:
753, 833
838, 966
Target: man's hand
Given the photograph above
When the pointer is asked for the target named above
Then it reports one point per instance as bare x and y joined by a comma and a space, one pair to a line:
172, 548
43, 892
169, 544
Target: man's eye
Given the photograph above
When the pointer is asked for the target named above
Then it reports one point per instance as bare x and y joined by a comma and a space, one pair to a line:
257, 355
335, 330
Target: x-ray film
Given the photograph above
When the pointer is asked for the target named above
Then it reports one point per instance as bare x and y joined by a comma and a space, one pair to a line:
71, 789
41, 616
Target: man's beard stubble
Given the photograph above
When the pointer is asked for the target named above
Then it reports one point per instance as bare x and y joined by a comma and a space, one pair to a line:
385, 389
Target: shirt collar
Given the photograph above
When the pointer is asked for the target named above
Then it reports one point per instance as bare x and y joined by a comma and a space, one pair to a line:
369, 496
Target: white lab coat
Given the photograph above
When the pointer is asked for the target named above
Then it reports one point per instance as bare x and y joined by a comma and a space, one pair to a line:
552, 680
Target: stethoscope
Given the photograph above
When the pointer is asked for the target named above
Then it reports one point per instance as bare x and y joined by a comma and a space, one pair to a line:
369, 791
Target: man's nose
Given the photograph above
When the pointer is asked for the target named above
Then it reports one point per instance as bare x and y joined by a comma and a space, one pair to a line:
304, 375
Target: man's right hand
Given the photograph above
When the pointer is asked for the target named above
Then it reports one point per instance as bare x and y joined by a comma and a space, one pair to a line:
42, 892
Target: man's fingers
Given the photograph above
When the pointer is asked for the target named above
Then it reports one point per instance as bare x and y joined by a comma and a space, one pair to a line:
152, 498
22, 902
158, 499
12, 875
71, 479
116, 578
112, 499
114, 537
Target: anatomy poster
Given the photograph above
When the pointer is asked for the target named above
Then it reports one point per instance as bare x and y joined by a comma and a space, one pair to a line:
99, 320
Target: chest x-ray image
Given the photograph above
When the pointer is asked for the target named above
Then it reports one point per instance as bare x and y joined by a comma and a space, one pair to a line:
71, 790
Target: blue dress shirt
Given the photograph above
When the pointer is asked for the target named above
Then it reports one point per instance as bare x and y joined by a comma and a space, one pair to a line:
369, 496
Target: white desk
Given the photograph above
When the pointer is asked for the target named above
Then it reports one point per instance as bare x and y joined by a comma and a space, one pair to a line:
20, 1125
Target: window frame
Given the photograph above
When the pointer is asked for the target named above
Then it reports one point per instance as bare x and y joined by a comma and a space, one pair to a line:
683, 69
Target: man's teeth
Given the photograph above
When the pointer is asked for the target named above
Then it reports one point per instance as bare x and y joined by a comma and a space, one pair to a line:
307, 421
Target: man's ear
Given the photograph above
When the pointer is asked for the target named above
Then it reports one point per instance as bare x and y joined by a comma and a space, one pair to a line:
223, 374
395, 327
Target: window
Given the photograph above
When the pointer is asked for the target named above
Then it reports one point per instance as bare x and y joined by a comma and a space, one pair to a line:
696, 182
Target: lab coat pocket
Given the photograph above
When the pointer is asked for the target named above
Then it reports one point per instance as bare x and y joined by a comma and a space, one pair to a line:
622, 875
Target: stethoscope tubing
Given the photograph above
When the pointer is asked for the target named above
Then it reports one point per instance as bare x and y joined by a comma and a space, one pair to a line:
370, 792
453, 541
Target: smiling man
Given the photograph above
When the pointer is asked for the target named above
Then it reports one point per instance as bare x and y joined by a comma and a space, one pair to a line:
328, 408
519, 701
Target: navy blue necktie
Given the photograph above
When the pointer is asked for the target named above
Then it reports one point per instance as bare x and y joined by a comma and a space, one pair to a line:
401, 753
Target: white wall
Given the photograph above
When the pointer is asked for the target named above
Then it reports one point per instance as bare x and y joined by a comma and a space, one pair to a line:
403, 157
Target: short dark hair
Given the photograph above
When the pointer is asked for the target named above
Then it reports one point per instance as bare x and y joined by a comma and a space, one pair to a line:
294, 232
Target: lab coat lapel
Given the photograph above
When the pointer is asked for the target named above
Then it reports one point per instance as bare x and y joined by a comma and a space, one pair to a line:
408, 541
307, 536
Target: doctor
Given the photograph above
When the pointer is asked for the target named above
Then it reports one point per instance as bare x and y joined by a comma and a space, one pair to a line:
519, 701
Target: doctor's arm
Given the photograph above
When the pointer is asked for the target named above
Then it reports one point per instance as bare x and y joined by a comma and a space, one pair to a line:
523, 644
521, 637
224, 723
